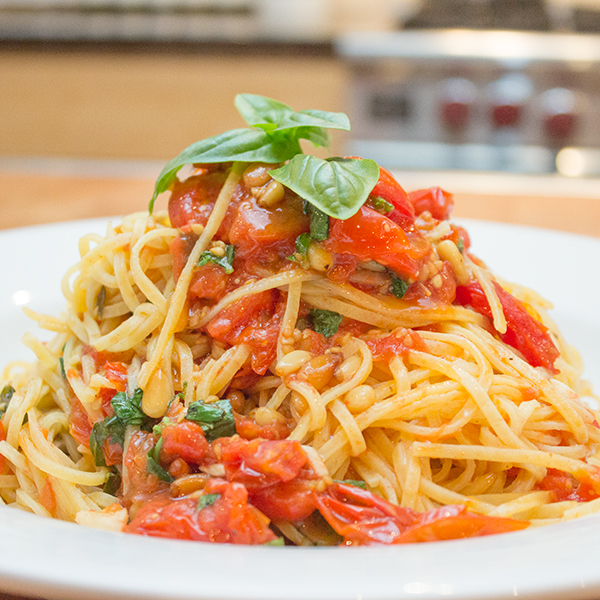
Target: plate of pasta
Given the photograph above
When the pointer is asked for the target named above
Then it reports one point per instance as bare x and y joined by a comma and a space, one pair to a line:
286, 356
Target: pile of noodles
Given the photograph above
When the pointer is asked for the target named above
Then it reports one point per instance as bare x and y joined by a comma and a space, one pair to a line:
461, 418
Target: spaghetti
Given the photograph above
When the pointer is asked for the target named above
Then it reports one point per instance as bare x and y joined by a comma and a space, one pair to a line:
247, 368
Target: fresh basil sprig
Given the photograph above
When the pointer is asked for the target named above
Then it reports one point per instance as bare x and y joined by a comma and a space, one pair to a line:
336, 186
273, 137
153, 465
398, 286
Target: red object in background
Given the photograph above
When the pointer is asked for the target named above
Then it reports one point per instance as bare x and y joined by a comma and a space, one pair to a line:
506, 115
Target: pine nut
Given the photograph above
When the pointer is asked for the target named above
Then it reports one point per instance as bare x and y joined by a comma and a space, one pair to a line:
360, 398
292, 362
257, 174
319, 258
271, 194
157, 394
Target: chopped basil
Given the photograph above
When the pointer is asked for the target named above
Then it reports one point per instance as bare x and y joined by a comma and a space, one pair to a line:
100, 302
460, 244
61, 362
222, 261
216, 418
355, 482
5, 397
325, 322
113, 483
153, 465
319, 222
276, 542
110, 429
128, 411
302, 243
273, 137
398, 286
207, 500
381, 205
336, 186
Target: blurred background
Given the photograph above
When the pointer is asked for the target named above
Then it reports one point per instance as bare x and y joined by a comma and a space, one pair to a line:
497, 101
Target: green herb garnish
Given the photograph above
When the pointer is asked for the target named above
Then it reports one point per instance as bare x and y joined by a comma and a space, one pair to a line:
325, 322
398, 286
5, 397
302, 243
113, 483
207, 500
336, 186
460, 244
100, 302
216, 418
153, 465
381, 205
128, 411
222, 261
276, 542
319, 223
61, 362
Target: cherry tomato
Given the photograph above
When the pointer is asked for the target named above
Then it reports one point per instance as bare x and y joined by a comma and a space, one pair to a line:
524, 333
398, 344
192, 200
435, 200
209, 281
185, 440
390, 190
249, 429
362, 517
230, 519
565, 486
138, 484
79, 423
261, 463
288, 501
369, 235
253, 320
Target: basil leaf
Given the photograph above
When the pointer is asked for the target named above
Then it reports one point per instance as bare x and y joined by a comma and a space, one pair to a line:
109, 429
246, 145
460, 245
153, 465
129, 410
216, 419
222, 261
61, 362
325, 322
398, 285
381, 205
338, 187
302, 243
272, 115
207, 500
5, 397
113, 483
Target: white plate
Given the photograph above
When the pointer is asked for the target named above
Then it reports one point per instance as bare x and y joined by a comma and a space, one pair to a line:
61, 560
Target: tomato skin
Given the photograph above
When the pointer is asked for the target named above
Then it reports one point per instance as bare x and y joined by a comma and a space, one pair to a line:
398, 344
364, 518
565, 486
435, 200
79, 423
389, 189
427, 291
185, 440
192, 200
249, 429
253, 320
229, 520
138, 484
261, 463
523, 333
209, 281
369, 235
287, 501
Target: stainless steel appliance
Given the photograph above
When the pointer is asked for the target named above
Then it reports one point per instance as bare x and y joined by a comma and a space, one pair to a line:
476, 100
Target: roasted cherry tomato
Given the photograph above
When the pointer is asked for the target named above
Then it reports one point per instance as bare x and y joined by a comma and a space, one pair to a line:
362, 517
369, 235
184, 440
390, 190
435, 200
524, 333
224, 517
